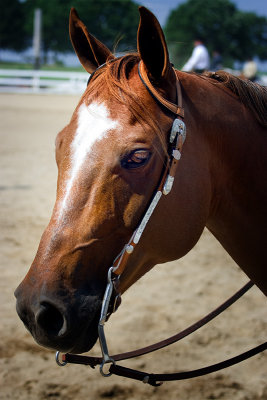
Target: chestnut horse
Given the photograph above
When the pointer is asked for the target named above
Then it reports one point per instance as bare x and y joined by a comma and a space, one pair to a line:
111, 158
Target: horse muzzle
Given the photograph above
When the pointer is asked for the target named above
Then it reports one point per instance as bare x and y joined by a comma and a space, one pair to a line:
60, 324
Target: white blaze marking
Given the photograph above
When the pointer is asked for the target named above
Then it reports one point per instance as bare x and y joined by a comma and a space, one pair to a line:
94, 123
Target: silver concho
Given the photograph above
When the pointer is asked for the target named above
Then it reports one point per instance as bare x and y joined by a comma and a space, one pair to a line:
178, 127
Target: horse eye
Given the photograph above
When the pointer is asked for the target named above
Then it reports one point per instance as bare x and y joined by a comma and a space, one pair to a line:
136, 159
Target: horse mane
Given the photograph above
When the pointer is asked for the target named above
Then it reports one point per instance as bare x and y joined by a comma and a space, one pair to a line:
252, 95
115, 78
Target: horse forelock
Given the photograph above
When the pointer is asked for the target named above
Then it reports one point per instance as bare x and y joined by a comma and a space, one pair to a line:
252, 95
110, 83
114, 80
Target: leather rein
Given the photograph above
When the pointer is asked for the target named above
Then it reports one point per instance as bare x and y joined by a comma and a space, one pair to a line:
112, 296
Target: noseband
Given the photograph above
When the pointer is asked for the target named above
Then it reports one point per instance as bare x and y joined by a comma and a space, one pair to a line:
112, 297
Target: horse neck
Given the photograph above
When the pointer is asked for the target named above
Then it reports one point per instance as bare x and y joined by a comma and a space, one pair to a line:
236, 146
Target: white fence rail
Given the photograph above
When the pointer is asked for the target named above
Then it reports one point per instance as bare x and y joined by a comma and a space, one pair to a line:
31, 81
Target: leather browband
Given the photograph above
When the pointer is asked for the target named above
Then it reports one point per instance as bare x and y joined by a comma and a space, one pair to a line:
176, 109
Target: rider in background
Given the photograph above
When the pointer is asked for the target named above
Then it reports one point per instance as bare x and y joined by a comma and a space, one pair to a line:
199, 60
250, 70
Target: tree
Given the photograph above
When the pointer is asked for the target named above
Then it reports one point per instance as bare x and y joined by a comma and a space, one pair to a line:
12, 34
54, 22
108, 20
251, 36
114, 22
236, 35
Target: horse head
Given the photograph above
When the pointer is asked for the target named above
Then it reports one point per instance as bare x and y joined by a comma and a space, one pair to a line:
110, 159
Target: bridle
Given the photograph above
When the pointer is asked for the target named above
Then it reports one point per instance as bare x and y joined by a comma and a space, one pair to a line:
112, 296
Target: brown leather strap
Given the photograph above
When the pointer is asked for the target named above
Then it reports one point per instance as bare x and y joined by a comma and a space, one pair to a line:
174, 108
93, 361
123, 257
158, 379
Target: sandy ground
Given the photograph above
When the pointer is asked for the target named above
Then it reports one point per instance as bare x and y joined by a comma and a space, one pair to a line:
168, 299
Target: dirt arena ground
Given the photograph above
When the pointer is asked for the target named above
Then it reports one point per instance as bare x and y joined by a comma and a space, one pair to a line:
168, 299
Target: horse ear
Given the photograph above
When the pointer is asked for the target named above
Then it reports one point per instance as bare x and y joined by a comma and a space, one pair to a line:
152, 46
90, 51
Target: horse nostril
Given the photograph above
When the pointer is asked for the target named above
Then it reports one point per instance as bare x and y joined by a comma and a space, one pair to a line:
51, 320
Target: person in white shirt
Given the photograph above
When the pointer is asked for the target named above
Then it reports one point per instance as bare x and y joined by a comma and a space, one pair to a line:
199, 60
250, 70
